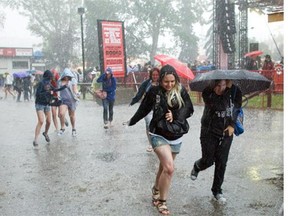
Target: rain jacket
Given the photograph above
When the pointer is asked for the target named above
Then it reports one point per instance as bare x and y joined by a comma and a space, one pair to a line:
43, 92
68, 94
219, 109
144, 87
155, 99
108, 85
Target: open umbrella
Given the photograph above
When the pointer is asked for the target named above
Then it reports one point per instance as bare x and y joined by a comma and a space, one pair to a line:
181, 68
21, 74
247, 81
35, 72
253, 53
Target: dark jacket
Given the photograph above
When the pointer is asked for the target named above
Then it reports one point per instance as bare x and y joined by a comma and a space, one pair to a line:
43, 91
144, 88
217, 114
155, 100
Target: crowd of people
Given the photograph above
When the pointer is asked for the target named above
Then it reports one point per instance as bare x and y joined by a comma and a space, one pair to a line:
164, 104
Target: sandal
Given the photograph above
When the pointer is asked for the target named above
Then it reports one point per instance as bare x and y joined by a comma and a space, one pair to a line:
46, 137
162, 208
149, 149
155, 195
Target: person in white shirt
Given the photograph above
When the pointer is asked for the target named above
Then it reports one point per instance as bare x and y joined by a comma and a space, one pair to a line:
8, 85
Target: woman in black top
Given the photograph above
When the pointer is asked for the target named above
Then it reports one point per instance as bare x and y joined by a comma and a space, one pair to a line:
171, 107
222, 103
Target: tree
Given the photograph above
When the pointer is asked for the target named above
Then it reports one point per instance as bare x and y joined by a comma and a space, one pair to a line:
147, 20
54, 21
188, 41
97, 10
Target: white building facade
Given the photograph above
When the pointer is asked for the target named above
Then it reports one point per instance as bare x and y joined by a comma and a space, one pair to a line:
15, 59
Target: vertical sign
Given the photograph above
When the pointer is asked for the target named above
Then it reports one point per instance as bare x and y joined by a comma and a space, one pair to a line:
112, 46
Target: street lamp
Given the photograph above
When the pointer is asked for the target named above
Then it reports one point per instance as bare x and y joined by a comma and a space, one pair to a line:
81, 11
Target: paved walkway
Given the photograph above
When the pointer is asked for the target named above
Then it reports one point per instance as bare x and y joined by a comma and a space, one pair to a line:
108, 172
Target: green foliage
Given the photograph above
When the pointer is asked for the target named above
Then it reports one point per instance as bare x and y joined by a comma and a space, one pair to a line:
146, 23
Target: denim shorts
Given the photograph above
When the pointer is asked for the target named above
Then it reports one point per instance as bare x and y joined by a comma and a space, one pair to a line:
157, 141
45, 108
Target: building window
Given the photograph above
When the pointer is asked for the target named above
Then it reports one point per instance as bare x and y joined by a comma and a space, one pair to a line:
20, 64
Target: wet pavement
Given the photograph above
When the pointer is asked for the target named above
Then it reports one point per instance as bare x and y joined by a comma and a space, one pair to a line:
108, 172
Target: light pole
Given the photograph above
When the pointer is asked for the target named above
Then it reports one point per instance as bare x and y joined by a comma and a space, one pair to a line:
81, 11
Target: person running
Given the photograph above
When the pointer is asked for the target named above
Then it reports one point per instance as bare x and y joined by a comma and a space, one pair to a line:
69, 97
217, 128
143, 89
171, 106
108, 85
18, 87
56, 101
8, 83
43, 98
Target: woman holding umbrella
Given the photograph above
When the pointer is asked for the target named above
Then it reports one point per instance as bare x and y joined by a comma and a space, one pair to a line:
222, 102
171, 105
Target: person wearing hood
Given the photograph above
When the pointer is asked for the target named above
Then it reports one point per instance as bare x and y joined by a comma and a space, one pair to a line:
172, 106
69, 97
43, 97
108, 85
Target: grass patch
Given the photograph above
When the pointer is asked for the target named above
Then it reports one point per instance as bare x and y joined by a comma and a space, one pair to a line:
259, 102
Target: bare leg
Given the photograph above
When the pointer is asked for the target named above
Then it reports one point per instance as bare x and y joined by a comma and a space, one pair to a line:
48, 121
40, 116
165, 170
62, 112
55, 116
72, 118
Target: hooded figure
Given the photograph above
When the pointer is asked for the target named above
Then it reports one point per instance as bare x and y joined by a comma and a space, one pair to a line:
109, 86
108, 83
67, 73
69, 97
44, 88
44, 91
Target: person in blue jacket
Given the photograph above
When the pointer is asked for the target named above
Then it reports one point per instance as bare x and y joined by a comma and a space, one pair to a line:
108, 85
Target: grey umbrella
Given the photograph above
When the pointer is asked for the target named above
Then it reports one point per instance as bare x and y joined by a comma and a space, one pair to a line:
247, 81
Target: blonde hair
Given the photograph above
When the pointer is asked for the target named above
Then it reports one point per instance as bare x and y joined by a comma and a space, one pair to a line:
174, 95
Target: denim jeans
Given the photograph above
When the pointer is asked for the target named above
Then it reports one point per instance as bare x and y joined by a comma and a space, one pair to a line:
108, 108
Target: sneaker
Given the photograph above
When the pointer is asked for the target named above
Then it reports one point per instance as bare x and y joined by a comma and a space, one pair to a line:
110, 124
66, 123
106, 126
35, 144
46, 137
220, 198
61, 132
74, 134
194, 173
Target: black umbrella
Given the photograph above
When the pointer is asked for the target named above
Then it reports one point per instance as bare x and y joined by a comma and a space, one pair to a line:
247, 81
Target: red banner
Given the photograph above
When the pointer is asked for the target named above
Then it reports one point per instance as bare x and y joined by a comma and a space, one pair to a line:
12, 52
113, 47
